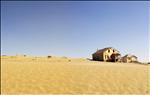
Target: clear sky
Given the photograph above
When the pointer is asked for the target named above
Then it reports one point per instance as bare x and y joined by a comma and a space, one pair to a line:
75, 29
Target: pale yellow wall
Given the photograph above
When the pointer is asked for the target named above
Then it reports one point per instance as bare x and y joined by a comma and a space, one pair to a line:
108, 53
133, 59
128, 60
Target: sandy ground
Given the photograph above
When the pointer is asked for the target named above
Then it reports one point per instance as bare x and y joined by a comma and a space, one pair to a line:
66, 76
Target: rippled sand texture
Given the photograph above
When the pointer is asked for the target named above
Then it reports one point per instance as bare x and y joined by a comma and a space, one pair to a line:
62, 76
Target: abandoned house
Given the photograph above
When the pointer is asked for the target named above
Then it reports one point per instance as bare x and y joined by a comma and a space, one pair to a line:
129, 58
107, 54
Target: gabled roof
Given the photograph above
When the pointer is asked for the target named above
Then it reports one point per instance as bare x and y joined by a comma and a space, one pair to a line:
104, 49
129, 55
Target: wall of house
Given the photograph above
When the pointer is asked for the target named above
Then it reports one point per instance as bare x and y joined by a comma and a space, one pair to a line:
107, 54
98, 57
126, 60
133, 59
129, 59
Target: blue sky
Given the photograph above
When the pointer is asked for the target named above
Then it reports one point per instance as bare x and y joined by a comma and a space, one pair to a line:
74, 29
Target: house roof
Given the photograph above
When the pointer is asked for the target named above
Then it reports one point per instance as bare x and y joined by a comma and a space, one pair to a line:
129, 55
104, 49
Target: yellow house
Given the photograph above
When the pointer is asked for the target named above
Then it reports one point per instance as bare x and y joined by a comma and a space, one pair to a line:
129, 58
106, 54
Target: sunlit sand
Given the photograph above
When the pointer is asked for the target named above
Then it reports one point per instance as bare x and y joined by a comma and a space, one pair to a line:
67, 76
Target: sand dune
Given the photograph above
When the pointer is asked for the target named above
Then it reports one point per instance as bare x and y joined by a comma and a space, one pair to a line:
66, 76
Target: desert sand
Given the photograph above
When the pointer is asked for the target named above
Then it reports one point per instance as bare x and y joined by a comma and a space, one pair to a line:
67, 76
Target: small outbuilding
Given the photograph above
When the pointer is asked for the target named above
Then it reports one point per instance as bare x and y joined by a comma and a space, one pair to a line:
107, 54
129, 58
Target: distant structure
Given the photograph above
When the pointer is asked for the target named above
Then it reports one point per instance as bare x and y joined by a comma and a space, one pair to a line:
49, 56
107, 54
129, 58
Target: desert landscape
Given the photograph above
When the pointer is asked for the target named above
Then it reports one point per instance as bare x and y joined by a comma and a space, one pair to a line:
21, 75
75, 47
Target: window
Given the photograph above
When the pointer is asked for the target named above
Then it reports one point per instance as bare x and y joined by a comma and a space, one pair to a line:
108, 51
113, 50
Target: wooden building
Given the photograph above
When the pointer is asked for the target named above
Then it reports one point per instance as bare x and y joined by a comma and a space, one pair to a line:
107, 54
129, 58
